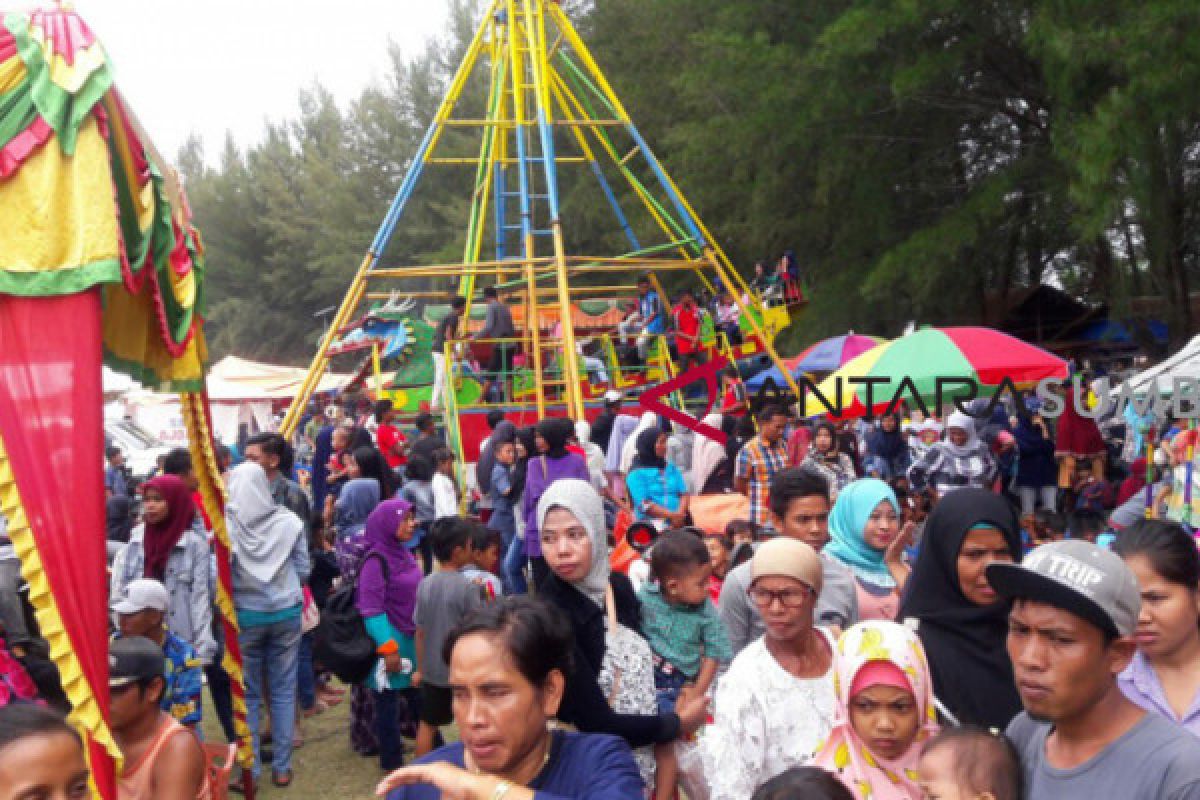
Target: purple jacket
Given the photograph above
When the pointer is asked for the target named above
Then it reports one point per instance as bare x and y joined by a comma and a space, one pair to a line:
396, 596
540, 473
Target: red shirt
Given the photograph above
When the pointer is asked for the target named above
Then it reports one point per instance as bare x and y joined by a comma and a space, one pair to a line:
714, 588
687, 322
388, 436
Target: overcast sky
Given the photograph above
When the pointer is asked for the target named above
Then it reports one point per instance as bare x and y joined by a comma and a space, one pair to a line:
210, 66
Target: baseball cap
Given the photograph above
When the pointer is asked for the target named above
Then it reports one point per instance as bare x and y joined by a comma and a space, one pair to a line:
1076, 576
612, 396
140, 595
134, 658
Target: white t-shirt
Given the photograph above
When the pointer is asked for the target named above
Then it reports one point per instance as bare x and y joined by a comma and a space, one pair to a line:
445, 499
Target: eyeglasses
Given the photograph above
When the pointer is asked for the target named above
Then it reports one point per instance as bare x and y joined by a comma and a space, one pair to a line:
788, 598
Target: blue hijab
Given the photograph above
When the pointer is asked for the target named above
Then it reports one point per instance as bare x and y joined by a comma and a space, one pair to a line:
853, 508
357, 500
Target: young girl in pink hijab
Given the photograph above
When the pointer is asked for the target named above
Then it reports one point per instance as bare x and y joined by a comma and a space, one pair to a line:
885, 712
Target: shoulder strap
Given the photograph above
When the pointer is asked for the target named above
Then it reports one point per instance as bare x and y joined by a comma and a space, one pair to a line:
387, 577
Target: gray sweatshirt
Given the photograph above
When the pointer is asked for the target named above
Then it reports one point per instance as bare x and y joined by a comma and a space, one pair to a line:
837, 604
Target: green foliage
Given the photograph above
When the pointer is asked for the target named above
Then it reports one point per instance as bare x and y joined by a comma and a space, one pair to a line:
919, 155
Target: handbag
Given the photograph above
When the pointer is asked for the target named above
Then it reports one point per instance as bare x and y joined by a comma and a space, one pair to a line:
310, 615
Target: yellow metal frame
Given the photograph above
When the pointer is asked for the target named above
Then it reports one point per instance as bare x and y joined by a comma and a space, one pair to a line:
545, 92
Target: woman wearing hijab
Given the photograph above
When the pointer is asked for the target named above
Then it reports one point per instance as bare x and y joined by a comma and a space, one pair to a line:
960, 460
961, 620
827, 459
552, 462
593, 456
1035, 465
1135, 482
355, 503
864, 524
270, 565
656, 487
1077, 438
711, 473
629, 450
610, 658
885, 712
887, 449
167, 547
387, 596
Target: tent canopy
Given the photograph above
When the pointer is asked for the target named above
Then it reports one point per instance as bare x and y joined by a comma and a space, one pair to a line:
234, 378
1184, 364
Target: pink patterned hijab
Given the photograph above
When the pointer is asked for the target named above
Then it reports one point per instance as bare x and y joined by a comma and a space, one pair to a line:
870, 653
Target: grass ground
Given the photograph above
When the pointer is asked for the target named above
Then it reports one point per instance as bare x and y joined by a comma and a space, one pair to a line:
325, 767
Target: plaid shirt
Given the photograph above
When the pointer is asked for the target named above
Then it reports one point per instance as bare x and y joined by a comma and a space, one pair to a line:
944, 471
683, 635
759, 462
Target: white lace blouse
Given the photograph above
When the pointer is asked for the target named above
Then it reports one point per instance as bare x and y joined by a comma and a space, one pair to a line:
627, 680
766, 721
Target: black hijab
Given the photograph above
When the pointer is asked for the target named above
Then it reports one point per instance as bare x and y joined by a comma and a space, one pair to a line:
505, 431
556, 431
527, 436
835, 443
887, 444
646, 456
965, 643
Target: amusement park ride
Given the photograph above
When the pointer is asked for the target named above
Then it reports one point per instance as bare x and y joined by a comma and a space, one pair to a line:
547, 109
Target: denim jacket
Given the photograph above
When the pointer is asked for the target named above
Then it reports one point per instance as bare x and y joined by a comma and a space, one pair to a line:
188, 579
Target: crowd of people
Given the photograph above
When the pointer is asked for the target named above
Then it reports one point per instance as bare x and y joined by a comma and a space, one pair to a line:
907, 607
653, 326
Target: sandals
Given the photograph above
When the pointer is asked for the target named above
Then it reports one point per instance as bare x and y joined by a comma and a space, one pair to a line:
281, 779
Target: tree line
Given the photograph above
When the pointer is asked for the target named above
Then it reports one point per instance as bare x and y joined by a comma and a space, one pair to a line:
920, 156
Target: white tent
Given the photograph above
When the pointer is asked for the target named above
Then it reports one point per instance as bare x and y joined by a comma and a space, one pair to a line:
116, 383
234, 378
241, 392
1184, 364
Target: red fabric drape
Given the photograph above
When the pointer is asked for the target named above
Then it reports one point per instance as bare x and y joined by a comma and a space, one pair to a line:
51, 418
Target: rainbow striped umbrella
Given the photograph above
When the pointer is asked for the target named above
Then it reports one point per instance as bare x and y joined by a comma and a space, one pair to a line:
915, 365
824, 356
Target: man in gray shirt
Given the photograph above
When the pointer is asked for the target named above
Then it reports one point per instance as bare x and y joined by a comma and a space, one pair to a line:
1075, 611
799, 505
497, 324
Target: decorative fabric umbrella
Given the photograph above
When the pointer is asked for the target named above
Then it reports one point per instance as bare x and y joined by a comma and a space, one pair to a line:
824, 356
928, 363
99, 263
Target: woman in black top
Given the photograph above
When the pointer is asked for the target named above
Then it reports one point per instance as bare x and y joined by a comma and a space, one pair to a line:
575, 546
961, 620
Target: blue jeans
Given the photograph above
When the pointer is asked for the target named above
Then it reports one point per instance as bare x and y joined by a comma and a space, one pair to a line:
306, 679
274, 650
510, 571
667, 684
